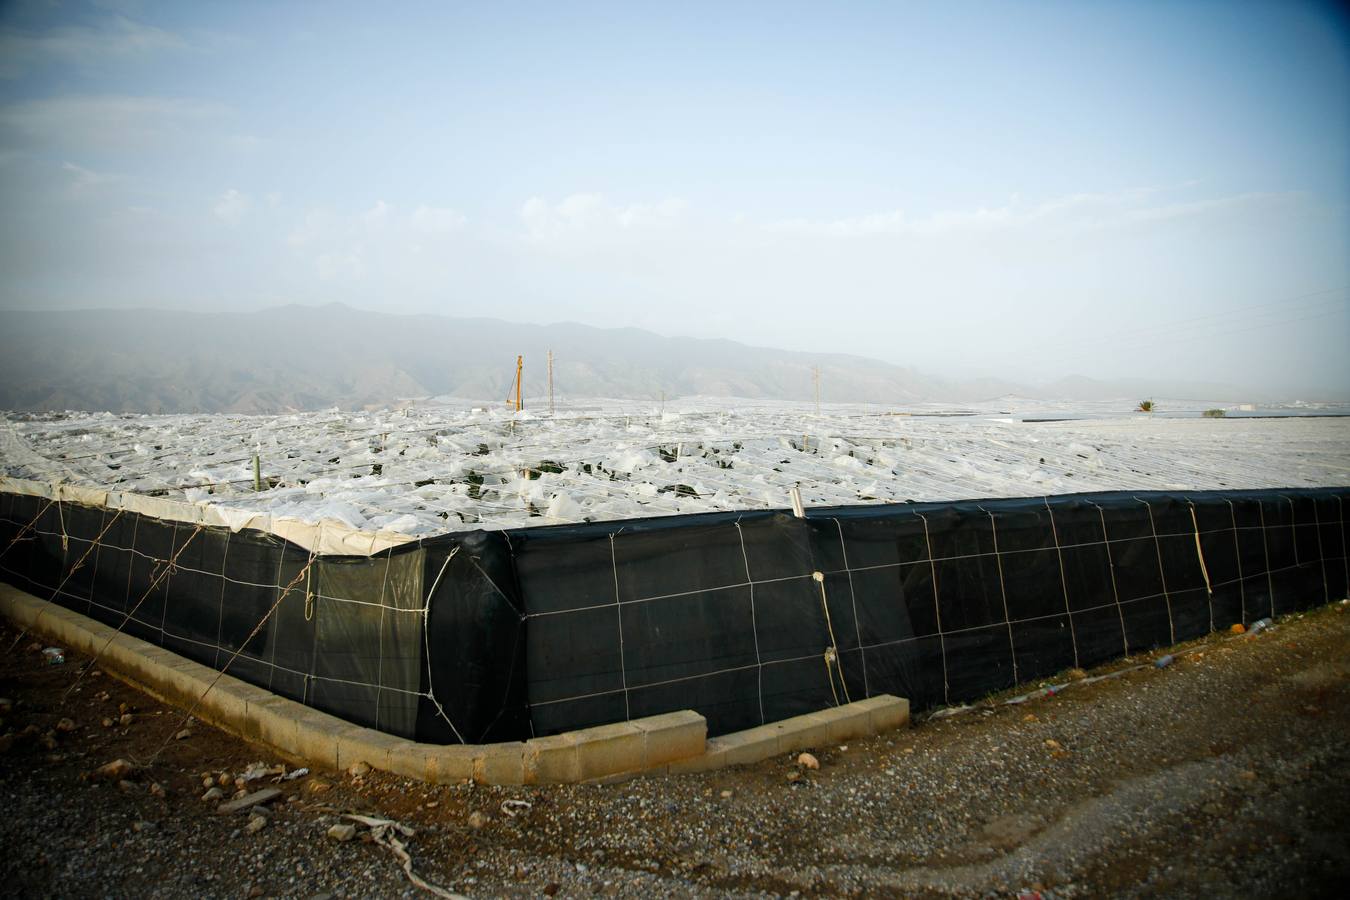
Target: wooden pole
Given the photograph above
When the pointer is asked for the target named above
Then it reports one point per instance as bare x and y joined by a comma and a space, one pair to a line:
257, 473
520, 366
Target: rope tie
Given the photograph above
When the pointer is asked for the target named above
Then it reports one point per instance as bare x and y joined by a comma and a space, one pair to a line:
1003, 591
127, 618
426, 638
832, 661
302, 574
25, 529
309, 593
73, 569
1162, 574
1200, 553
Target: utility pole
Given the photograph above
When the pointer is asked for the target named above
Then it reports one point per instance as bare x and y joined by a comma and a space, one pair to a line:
815, 376
520, 366
550, 382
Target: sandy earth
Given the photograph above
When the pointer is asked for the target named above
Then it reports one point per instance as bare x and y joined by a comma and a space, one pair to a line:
1222, 774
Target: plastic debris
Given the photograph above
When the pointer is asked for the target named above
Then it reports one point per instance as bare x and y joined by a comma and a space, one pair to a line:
1261, 625
511, 808
55, 656
298, 773
259, 770
1163, 662
950, 711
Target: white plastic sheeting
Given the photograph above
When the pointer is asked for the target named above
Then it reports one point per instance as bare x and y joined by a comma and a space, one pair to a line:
358, 482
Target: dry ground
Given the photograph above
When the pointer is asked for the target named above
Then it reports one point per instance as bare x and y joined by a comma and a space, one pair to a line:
1222, 774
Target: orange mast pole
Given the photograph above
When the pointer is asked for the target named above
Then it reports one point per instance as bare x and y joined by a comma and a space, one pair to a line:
520, 364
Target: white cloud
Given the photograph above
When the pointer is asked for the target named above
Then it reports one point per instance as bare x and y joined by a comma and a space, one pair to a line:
232, 206
1176, 211
79, 123
86, 178
118, 39
245, 143
437, 220
377, 216
340, 266
1073, 212
382, 239
896, 222
592, 214
318, 225
640, 214
322, 226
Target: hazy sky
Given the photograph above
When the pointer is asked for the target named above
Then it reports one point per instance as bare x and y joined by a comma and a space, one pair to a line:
1020, 189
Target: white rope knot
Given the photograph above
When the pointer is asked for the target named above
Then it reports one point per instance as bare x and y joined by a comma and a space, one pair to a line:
832, 663
65, 538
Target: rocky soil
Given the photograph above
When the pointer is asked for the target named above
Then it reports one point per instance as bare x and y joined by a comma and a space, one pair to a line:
1221, 774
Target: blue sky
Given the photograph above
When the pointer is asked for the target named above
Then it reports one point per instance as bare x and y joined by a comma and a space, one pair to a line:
1018, 189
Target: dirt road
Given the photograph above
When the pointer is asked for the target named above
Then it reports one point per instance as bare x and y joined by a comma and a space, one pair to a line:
1222, 774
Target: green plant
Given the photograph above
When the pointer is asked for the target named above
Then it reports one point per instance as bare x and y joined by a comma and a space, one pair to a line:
1214, 413
1145, 406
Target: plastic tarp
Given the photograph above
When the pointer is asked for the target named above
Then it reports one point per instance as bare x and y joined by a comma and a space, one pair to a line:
744, 617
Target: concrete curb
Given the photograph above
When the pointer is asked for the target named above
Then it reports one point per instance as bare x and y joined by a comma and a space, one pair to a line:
851, 721
672, 743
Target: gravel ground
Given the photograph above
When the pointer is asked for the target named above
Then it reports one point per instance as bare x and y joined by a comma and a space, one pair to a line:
1223, 773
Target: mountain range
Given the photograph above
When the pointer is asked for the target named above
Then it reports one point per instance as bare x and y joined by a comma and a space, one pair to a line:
302, 357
